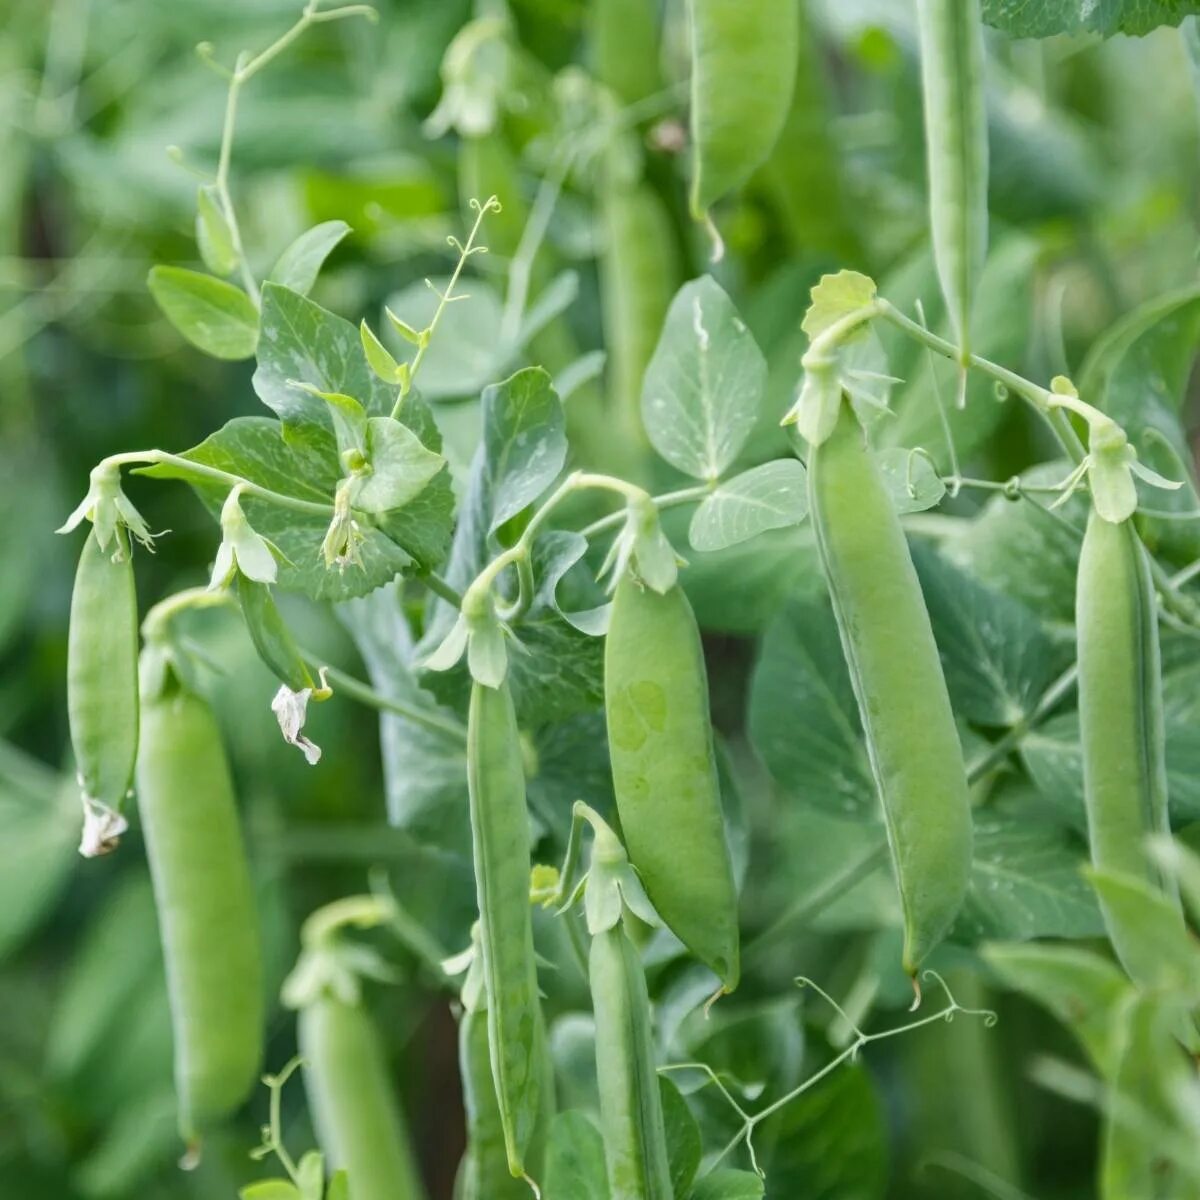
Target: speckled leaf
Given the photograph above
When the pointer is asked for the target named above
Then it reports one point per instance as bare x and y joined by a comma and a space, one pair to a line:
1045, 18
772, 496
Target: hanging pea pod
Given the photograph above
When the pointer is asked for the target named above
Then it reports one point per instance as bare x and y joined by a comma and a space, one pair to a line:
206, 911
915, 753
664, 769
271, 637
500, 838
956, 144
102, 684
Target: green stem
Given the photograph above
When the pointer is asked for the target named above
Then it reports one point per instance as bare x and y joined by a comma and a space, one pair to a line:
440, 587
666, 500
161, 614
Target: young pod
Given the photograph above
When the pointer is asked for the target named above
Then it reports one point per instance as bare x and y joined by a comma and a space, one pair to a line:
500, 840
956, 143
358, 1121
887, 640
664, 770
206, 913
1120, 709
631, 1116
102, 671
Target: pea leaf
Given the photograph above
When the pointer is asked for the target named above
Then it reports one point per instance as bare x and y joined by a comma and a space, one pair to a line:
727, 1183
401, 466
703, 388
1045, 18
834, 297
213, 315
525, 438
271, 1189
683, 1137
299, 265
302, 342
339, 1187
997, 657
214, 237
575, 1168
772, 496
803, 718
911, 480
311, 1171
1080, 987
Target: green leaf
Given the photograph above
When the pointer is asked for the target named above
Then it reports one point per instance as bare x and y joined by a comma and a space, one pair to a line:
772, 496
997, 657
401, 467
469, 349
834, 297
1025, 883
253, 448
524, 433
303, 343
727, 1183
378, 357
575, 1167
1081, 988
339, 1187
214, 236
271, 1189
300, 264
803, 717
703, 388
311, 1171
683, 1137
213, 315
1046, 18
911, 479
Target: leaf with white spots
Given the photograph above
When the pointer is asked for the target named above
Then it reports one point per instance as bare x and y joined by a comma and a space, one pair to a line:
704, 386
772, 496
910, 479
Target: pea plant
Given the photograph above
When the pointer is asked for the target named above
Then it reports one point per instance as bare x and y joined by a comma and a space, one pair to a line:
961, 724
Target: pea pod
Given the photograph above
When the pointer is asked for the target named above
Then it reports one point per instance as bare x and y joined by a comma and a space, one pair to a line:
887, 640
743, 68
957, 151
358, 1121
1120, 709
206, 914
631, 1116
664, 770
483, 1173
271, 637
500, 838
102, 680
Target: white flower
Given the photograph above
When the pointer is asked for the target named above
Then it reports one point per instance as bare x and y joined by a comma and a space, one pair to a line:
107, 507
291, 709
102, 829
241, 548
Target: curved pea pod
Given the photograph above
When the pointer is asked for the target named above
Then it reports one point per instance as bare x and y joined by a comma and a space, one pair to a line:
102, 671
743, 68
664, 770
1120, 711
956, 142
915, 753
500, 840
206, 915
271, 637
483, 1173
631, 1116
358, 1121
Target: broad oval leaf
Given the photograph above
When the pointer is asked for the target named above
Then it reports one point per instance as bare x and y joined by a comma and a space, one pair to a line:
704, 386
772, 496
299, 265
213, 315
910, 478
401, 466
575, 1168
1045, 18
728, 1183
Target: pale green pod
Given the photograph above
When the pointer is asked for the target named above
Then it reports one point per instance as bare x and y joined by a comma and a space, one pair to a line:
206, 911
500, 837
915, 753
664, 770
956, 145
358, 1120
631, 1116
1120, 710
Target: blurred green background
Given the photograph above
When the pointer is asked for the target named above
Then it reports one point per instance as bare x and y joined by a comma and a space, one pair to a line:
1095, 150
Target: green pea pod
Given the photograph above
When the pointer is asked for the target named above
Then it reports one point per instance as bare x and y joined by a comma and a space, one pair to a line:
359, 1124
102, 671
743, 68
483, 1173
500, 838
915, 753
664, 770
624, 43
631, 1116
1120, 710
271, 637
207, 920
956, 143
